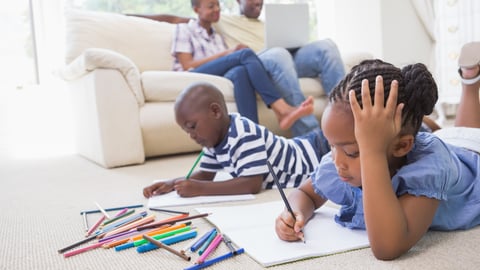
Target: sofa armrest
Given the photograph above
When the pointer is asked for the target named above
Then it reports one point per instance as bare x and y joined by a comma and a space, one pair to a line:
108, 129
97, 58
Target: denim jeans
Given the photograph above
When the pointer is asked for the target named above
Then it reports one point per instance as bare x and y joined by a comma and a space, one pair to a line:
320, 59
248, 75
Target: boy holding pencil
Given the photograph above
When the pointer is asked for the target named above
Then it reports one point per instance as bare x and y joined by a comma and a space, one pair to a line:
238, 146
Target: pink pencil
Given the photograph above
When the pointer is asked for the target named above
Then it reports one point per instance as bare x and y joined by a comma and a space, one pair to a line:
80, 250
210, 248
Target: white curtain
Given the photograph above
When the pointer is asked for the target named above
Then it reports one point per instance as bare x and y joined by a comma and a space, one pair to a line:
450, 23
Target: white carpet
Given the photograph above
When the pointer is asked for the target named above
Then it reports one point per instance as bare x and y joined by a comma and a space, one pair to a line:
41, 200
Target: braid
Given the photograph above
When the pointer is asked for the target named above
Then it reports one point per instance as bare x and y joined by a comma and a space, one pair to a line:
420, 93
416, 89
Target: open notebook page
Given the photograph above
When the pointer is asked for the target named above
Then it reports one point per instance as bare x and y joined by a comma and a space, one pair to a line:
252, 228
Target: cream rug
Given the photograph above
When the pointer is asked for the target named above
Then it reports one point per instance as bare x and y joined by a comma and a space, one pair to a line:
41, 200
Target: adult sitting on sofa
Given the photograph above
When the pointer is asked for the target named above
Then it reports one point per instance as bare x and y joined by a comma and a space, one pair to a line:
320, 59
123, 90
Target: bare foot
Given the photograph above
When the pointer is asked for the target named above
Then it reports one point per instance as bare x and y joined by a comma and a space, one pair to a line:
306, 108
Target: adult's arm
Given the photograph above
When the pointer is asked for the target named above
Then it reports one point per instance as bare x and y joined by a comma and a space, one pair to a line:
163, 18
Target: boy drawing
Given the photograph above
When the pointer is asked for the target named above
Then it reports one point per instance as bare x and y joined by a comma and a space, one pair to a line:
238, 146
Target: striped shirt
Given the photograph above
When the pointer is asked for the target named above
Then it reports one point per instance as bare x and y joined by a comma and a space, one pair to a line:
248, 146
192, 38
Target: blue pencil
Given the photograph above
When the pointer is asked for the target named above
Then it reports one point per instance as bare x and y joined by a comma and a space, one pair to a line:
111, 209
202, 240
215, 260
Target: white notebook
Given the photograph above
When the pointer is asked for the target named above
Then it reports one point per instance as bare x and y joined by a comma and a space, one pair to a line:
173, 199
252, 228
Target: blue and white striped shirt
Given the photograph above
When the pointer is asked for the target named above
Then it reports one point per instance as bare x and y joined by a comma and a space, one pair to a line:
247, 147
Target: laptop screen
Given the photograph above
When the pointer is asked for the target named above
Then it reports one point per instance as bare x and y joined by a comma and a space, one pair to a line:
286, 25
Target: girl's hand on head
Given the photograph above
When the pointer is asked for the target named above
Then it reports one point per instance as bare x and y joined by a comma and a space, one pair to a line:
287, 228
377, 124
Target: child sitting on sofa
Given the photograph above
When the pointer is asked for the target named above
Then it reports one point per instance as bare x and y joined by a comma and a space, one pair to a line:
238, 146
389, 179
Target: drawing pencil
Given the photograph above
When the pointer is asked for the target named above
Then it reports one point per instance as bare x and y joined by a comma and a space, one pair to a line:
171, 220
194, 165
111, 209
215, 260
280, 189
202, 240
95, 226
207, 242
123, 213
168, 241
76, 244
85, 221
102, 210
142, 241
210, 248
81, 250
168, 211
132, 225
161, 245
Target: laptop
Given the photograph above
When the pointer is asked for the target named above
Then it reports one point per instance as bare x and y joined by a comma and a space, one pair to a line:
286, 25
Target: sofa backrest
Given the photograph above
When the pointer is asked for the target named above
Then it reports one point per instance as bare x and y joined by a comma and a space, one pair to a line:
146, 42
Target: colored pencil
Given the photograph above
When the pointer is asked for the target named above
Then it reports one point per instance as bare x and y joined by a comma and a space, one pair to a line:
132, 225
168, 241
76, 244
81, 250
168, 211
123, 213
161, 245
111, 209
95, 226
207, 242
210, 248
280, 189
194, 165
102, 210
170, 220
215, 260
85, 221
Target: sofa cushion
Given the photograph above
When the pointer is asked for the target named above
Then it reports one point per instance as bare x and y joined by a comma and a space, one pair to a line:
166, 85
146, 42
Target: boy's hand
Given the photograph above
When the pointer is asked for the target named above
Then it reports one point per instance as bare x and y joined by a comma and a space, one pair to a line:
188, 188
377, 124
158, 188
287, 228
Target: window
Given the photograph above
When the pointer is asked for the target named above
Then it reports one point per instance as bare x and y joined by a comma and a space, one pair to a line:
18, 52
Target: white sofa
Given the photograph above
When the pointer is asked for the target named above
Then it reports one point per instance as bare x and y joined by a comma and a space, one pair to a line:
118, 69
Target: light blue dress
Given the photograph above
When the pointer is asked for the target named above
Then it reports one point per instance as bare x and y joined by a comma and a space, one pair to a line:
434, 169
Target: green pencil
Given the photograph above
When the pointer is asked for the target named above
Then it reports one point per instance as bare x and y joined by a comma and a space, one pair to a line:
194, 165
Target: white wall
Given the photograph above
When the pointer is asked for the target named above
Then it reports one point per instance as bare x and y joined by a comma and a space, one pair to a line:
389, 29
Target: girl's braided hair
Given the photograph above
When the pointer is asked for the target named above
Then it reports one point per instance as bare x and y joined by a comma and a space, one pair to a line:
417, 89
